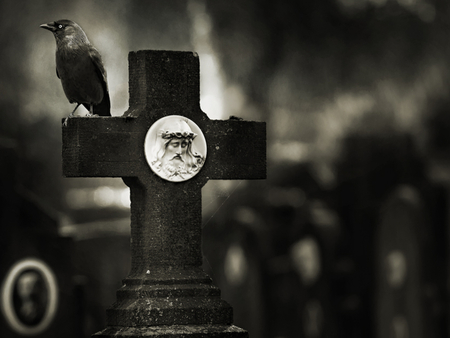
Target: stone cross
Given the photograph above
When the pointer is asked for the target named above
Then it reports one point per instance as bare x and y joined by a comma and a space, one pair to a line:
167, 293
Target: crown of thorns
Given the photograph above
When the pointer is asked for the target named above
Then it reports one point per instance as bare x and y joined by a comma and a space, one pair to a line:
165, 134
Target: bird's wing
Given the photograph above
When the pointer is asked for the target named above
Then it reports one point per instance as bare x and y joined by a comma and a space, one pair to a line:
97, 60
104, 107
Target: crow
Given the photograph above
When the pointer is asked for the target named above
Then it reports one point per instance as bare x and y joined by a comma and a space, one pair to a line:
80, 68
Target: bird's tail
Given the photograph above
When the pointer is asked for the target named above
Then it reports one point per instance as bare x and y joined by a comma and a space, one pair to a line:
104, 107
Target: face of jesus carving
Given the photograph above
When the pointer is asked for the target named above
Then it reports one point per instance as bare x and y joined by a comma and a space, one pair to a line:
174, 155
177, 139
175, 152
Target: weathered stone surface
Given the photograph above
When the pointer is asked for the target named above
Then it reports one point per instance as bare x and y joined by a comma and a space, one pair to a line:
167, 293
169, 298
161, 79
175, 331
170, 311
169, 275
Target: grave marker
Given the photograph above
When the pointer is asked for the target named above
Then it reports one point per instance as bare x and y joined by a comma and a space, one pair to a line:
36, 270
405, 306
166, 293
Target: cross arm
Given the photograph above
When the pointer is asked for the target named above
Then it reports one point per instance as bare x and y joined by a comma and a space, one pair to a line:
113, 147
236, 150
101, 147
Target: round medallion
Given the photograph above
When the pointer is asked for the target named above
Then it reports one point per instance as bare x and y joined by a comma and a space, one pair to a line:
175, 148
29, 296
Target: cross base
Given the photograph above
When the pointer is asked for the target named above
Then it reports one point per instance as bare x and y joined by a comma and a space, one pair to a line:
170, 302
174, 331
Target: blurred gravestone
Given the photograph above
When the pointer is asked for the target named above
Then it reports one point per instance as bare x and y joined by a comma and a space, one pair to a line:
233, 259
167, 293
35, 263
406, 289
270, 250
301, 276
368, 170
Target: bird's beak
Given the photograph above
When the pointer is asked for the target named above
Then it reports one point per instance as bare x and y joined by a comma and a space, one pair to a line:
50, 26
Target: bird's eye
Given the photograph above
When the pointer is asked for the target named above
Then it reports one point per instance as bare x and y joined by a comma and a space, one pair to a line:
60, 26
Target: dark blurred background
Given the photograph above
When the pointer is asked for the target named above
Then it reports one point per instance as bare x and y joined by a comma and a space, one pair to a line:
348, 235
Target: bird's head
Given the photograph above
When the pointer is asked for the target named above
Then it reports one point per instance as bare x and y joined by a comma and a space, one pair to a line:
65, 29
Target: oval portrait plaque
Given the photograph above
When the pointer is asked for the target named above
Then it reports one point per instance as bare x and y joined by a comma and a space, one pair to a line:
29, 296
175, 148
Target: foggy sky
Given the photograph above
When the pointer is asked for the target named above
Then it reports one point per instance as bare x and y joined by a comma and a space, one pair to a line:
314, 71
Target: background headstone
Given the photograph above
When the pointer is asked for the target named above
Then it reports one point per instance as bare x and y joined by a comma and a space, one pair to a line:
406, 292
36, 271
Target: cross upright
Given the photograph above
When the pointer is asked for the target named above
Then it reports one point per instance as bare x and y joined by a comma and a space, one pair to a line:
167, 293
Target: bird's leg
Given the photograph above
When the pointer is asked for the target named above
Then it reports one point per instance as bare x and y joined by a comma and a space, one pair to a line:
91, 111
70, 115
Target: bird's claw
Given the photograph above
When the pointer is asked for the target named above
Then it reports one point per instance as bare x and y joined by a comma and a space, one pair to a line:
68, 117
91, 115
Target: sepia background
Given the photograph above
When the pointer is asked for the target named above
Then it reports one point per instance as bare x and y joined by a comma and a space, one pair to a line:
348, 235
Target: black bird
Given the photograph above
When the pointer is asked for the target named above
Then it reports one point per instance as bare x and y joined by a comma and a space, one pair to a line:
80, 68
